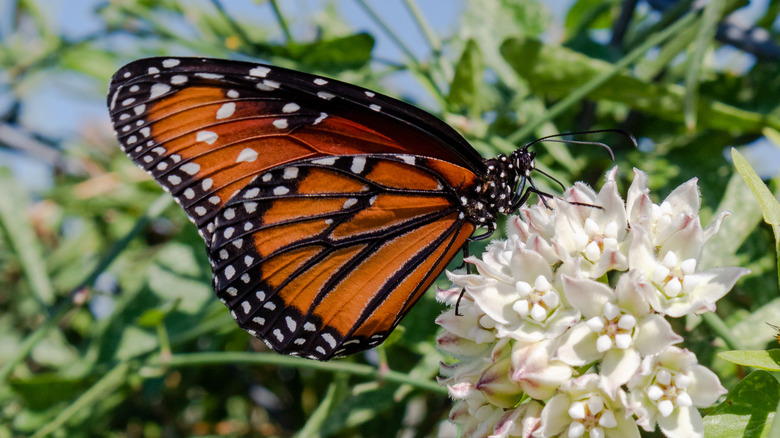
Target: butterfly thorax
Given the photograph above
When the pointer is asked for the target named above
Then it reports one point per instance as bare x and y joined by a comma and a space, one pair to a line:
495, 192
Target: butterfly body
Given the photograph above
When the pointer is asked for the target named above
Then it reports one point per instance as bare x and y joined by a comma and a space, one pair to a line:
326, 209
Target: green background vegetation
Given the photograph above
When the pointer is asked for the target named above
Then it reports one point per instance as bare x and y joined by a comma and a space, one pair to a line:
167, 359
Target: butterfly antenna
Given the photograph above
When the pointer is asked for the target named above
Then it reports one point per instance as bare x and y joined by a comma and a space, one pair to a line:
596, 143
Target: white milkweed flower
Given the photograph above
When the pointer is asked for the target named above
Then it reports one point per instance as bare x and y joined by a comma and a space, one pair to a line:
668, 388
586, 281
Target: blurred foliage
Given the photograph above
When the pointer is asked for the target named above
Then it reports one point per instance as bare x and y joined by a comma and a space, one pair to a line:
108, 325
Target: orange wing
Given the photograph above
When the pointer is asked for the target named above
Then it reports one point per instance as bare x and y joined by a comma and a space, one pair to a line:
205, 128
323, 257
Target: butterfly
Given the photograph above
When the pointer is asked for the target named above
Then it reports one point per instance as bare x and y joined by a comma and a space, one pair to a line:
326, 209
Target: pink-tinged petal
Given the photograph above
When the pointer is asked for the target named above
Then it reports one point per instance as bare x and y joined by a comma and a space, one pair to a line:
685, 198
528, 265
522, 421
684, 422
496, 386
612, 260
654, 334
685, 238
461, 325
482, 422
617, 368
461, 391
535, 373
555, 416
578, 346
460, 347
705, 387
613, 207
641, 212
587, 296
541, 246
636, 206
491, 268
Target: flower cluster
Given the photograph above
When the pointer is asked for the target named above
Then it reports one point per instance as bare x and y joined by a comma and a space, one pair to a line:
563, 330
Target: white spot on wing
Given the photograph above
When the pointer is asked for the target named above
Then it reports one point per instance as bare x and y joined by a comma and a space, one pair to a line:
325, 161
291, 107
291, 324
259, 71
325, 95
281, 190
249, 155
290, 172
350, 202
280, 123
358, 164
375, 107
329, 339
226, 110
209, 75
168, 63
320, 118
153, 70
207, 136
178, 79
320, 81
309, 327
370, 93
158, 90
246, 306
190, 168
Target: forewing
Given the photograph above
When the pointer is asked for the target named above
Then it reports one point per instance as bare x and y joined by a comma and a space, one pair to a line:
205, 128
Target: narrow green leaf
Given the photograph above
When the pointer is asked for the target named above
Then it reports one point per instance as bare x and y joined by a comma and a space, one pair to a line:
19, 233
764, 359
105, 386
318, 418
706, 33
768, 202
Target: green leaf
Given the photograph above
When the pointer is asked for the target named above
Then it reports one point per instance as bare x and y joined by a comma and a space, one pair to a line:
41, 391
466, 87
593, 13
557, 71
335, 54
764, 359
748, 410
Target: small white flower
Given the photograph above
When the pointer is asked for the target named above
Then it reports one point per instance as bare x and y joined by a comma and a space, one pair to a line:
667, 389
581, 408
618, 328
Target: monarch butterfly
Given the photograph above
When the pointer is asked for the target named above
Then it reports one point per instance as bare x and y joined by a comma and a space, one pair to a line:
326, 209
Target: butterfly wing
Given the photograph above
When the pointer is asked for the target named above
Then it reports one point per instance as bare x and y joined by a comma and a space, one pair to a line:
327, 209
324, 256
223, 122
